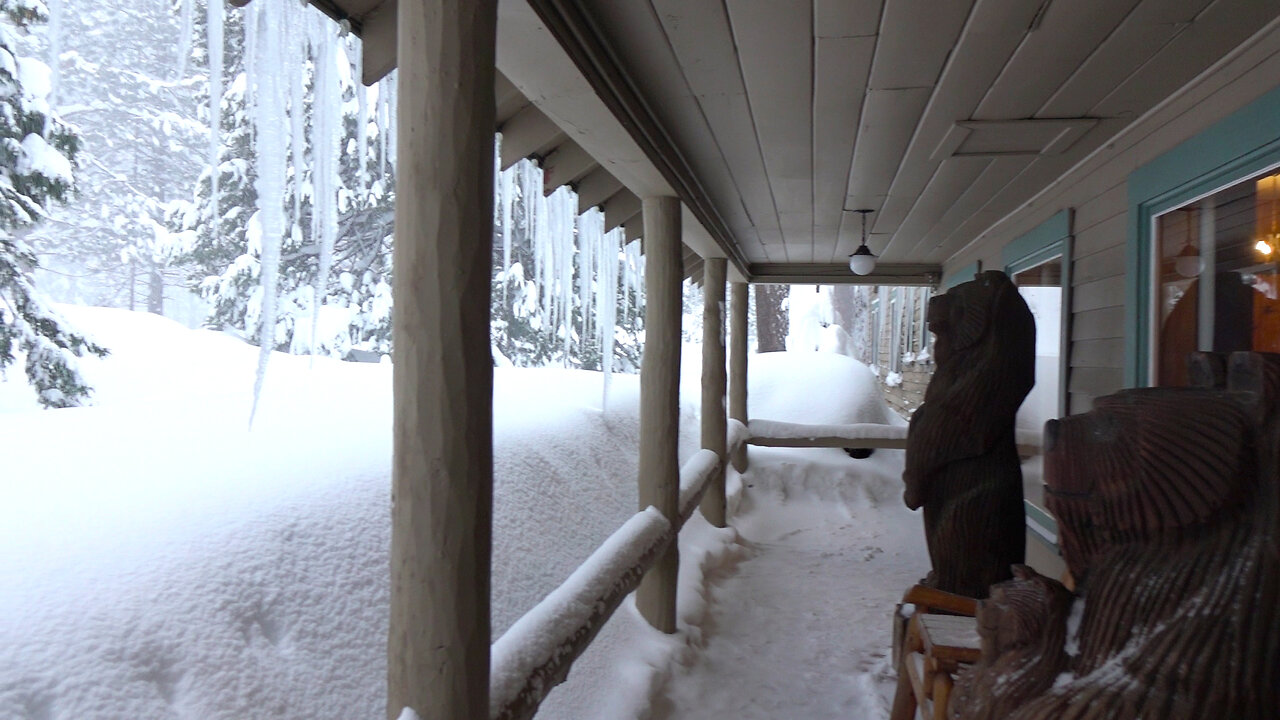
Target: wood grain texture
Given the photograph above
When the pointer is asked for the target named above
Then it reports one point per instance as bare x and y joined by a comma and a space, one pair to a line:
1166, 504
962, 462
714, 379
442, 468
660, 399
738, 365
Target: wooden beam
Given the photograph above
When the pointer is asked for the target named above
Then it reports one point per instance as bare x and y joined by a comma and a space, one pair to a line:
377, 33
442, 462
660, 400
525, 133
620, 208
578, 35
714, 420
507, 98
839, 274
595, 188
568, 162
634, 228
738, 365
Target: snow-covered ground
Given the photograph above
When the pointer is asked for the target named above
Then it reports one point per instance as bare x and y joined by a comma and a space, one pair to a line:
161, 559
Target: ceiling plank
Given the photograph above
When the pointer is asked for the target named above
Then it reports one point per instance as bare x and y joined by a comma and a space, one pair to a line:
948, 184
846, 18
1221, 26
841, 67
1067, 35
999, 172
989, 37
1139, 36
702, 41
915, 38
775, 52
889, 119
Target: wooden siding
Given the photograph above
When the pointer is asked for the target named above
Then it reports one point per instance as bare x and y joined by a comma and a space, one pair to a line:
1097, 191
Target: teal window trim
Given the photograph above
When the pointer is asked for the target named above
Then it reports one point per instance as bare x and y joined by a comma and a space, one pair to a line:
1048, 240
1041, 526
1243, 144
959, 275
1045, 241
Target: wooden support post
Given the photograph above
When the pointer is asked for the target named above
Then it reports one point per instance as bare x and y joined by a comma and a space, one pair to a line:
442, 468
738, 365
660, 399
714, 419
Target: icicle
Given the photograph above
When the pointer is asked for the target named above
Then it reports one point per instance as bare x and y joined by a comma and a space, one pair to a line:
55, 50
184, 39
327, 126
508, 213
588, 244
500, 227
250, 55
384, 125
607, 304
362, 116
392, 108
214, 17
297, 105
269, 119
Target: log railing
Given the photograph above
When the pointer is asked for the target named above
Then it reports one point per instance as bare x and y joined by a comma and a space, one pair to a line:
772, 433
535, 654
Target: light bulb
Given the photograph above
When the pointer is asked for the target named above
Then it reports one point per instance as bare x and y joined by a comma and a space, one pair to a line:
862, 262
1264, 248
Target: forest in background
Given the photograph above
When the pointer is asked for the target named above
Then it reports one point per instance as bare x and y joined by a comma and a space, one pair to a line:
227, 169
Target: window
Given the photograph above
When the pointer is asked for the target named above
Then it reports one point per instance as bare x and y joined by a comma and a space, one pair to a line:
1216, 264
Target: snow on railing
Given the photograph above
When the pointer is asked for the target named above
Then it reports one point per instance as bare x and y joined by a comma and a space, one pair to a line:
693, 480
773, 433
535, 654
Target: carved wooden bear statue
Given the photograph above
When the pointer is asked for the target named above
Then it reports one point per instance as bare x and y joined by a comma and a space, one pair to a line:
962, 460
1166, 508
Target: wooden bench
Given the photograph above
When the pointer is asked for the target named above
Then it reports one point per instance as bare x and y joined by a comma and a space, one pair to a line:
940, 636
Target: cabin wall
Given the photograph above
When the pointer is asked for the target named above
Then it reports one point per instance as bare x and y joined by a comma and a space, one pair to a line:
1096, 192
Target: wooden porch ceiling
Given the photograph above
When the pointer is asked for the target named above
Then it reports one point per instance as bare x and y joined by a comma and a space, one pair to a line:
774, 119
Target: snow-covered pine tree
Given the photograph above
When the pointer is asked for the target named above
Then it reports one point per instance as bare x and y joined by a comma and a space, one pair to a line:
140, 142
36, 154
359, 185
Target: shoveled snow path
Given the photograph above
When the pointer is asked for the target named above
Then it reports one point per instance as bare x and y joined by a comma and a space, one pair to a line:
801, 627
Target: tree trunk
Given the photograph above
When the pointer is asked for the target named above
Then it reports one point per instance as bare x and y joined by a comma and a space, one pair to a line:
772, 323
155, 291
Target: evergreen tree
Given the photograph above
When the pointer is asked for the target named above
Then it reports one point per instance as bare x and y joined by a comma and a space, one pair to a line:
120, 80
36, 154
225, 254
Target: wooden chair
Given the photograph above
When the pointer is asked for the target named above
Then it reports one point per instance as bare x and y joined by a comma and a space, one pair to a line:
929, 648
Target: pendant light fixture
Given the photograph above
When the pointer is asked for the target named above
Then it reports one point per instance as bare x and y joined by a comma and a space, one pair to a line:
862, 261
1188, 263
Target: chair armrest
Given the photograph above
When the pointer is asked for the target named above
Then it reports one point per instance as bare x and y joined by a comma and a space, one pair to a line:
927, 599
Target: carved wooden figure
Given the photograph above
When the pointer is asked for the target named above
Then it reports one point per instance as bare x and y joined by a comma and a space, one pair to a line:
1165, 500
962, 461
